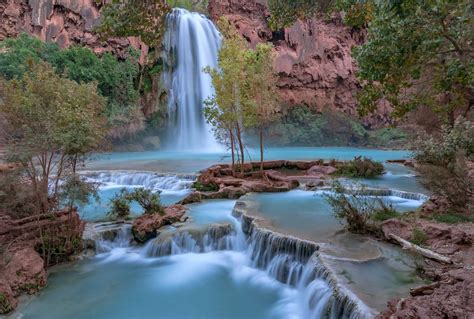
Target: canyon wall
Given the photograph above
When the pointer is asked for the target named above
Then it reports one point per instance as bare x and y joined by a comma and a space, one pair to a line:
65, 22
312, 58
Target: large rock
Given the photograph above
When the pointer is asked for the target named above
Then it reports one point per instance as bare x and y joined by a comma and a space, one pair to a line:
146, 226
23, 273
312, 58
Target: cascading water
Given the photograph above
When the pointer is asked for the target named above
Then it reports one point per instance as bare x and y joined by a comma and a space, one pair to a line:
191, 43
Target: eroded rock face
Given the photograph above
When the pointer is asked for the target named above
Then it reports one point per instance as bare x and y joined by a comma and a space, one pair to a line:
65, 22
313, 58
145, 227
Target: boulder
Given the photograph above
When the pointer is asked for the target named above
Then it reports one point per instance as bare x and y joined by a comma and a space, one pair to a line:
146, 226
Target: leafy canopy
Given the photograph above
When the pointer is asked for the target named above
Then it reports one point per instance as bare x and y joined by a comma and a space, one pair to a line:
115, 79
418, 53
136, 18
51, 123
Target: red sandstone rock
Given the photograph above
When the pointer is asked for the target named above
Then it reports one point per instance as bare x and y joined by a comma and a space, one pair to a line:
313, 58
65, 22
144, 227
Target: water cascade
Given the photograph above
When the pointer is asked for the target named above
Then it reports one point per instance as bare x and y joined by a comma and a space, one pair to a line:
191, 43
287, 259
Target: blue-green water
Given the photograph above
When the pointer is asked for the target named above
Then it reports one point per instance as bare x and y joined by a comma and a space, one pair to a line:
192, 161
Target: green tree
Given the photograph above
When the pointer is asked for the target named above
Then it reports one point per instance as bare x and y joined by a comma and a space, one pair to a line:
148, 200
262, 99
136, 18
115, 79
419, 53
224, 110
51, 123
284, 13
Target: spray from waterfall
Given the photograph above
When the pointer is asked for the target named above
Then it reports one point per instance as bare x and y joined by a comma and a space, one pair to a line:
191, 43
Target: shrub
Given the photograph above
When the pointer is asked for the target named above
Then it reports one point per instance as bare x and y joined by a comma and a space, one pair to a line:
443, 163
360, 212
211, 187
360, 168
148, 200
120, 205
418, 237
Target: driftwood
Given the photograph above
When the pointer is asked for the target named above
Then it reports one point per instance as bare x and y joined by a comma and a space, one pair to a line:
424, 290
422, 251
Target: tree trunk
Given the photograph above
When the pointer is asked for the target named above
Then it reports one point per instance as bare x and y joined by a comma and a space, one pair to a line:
422, 251
261, 149
232, 147
241, 147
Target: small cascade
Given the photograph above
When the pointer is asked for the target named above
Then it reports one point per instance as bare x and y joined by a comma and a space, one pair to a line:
191, 43
297, 263
104, 237
154, 181
385, 192
194, 240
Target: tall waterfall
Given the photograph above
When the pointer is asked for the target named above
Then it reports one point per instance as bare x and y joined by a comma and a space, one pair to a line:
191, 43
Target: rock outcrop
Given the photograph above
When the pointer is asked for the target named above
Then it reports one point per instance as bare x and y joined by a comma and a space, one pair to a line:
22, 269
218, 181
145, 227
451, 293
313, 58
65, 22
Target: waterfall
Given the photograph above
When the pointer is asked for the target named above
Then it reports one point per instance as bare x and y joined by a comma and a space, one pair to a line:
104, 237
191, 43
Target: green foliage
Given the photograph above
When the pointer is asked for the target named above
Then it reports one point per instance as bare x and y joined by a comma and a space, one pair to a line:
191, 5
5, 305
418, 237
74, 190
418, 53
385, 212
211, 187
357, 13
148, 200
452, 218
126, 18
360, 168
115, 79
443, 162
359, 211
301, 126
284, 13
388, 137
120, 205
51, 123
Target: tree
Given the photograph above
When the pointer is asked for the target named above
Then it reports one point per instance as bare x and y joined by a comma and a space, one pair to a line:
115, 79
224, 110
134, 18
51, 125
261, 87
419, 53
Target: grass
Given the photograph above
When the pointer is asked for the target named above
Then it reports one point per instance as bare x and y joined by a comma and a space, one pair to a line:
206, 187
452, 218
384, 214
418, 237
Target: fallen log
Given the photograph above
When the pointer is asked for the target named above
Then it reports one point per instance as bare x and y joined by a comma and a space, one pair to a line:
424, 290
422, 251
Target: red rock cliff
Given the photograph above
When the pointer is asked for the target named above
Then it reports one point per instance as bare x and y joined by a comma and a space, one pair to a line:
313, 58
65, 22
